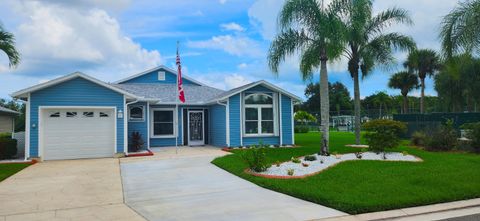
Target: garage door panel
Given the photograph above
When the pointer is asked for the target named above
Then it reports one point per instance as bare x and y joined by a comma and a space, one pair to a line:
78, 136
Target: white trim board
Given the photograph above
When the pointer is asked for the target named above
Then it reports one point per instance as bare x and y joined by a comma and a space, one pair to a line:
150, 123
156, 69
23, 93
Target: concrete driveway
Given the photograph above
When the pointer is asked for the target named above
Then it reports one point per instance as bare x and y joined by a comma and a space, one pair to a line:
186, 186
66, 190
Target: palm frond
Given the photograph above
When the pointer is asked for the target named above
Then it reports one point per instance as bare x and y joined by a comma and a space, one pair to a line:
286, 44
387, 18
305, 13
310, 60
7, 45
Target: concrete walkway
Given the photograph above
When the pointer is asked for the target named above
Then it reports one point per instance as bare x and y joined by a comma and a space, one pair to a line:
65, 190
186, 186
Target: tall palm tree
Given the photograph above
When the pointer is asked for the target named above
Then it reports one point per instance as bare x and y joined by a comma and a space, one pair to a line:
459, 29
424, 62
368, 44
311, 30
7, 45
404, 81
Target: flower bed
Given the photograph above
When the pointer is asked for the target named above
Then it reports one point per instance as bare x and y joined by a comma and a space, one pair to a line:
308, 168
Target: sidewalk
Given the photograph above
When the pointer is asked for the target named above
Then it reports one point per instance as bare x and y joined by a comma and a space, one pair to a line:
441, 211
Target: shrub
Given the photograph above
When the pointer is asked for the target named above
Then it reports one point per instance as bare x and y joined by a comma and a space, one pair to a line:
295, 160
443, 138
256, 159
310, 158
6, 135
8, 148
301, 129
474, 135
290, 172
418, 138
383, 134
136, 142
358, 155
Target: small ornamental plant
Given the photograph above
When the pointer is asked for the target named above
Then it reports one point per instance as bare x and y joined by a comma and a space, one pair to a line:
310, 158
404, 153
290, 172
295, 160
358, 155
278, 163
255, 157
305, 164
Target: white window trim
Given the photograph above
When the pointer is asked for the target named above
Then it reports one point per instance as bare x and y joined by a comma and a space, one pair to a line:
152, 135
161, 76
136, 119
259, 109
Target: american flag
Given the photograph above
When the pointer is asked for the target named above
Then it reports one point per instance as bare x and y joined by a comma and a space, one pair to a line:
181, 94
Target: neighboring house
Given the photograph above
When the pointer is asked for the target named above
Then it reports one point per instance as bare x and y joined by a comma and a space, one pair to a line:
78, 116
7, 120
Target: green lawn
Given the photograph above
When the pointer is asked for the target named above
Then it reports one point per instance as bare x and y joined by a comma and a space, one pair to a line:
7, 170
366, 186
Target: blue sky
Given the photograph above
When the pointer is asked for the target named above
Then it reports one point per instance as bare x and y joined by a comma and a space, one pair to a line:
223, 43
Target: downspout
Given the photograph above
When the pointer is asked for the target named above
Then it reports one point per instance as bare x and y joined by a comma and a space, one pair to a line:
227, 123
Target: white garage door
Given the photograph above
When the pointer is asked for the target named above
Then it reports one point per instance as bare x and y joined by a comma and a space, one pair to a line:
77, 133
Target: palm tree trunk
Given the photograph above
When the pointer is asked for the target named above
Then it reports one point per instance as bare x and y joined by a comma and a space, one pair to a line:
356, 97
324, 104
422, 94
405, 104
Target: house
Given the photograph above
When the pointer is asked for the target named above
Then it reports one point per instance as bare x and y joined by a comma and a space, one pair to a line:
78, 116
7, 120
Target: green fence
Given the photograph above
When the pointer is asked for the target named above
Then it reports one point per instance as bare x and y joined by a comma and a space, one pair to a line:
428, 122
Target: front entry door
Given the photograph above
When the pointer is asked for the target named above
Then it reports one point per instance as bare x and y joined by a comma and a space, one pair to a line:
196, 130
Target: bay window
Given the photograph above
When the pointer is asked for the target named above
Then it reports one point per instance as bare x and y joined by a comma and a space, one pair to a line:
259, 115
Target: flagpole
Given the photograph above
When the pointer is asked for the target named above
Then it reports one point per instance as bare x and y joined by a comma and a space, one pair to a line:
176, 108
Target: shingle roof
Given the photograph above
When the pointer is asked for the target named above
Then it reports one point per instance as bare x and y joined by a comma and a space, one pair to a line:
6, 110
167, 93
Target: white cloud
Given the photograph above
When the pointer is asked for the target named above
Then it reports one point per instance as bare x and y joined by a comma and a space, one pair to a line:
234, 45
224, 81
56, 39
263, 15
222, 1
232, 26
242, 66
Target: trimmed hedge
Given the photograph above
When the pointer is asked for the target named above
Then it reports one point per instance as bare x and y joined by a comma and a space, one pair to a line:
8, 148
383, 134
301, 129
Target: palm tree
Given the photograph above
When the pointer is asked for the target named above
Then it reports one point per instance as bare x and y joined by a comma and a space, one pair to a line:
459, 29
7, 45
424, 62
311, 30
404, 81
368, 44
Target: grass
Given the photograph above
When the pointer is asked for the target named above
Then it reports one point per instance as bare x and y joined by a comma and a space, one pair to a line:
367, 186
6, 170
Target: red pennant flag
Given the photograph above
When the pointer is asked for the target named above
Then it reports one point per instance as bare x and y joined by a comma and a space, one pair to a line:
181, 94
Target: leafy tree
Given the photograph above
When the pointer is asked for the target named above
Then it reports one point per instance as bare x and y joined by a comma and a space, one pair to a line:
339, 97
12, 105
368, 43
311, 30
7, 45
423, 62
303, 116
459, 29
405, 82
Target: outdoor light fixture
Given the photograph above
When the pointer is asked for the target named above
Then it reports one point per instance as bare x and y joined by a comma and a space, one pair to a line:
120, 114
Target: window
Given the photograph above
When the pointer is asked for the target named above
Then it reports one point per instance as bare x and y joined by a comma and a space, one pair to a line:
71, 114
55, 114
88, 114
161, 75
136, 113
163, 123
259, 114
103, 114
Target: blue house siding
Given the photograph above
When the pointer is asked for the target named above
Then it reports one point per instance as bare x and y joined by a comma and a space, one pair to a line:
259, 88
162, 142
247, 141
286, 109
235, 120
138, 126
218, 125
152, 77
75, 92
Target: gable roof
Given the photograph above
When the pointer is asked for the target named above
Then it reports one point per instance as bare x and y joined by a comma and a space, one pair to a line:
24, 93
271, 86
8, 111
156, 69
167, 93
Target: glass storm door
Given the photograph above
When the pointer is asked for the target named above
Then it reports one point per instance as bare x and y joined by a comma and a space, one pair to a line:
195, 128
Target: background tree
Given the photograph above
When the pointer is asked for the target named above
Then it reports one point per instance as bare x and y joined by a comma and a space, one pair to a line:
423, 62
405, 82
7, 45
315, 33
304, 117
459, 29
368, 44
19, 107
338, 94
